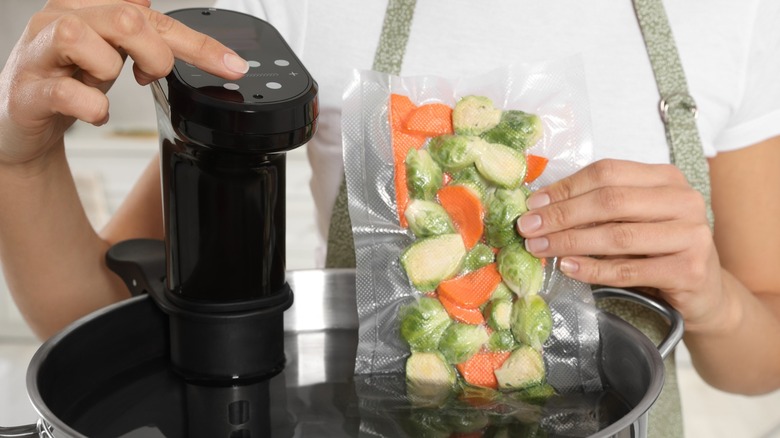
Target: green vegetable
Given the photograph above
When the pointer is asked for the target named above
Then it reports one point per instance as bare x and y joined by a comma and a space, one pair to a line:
453, 152
427, 218
423, 323
423, 176
502, 340
516, 129
531, 321
425, 423
520, 270
501, 292
498, 314
430, 380
480, 256
471, 178
535, 394
461, 341
502, 208
499, 164
467, 420
429, 261
522, 369
474, 115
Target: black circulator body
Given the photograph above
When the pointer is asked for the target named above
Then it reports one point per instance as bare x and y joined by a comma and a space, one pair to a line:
222, 146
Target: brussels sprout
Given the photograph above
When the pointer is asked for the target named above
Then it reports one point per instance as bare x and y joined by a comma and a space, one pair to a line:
453, 152
522, 369
516, 129
502, 340
430, 380
501, 292
520, 270
430, 261
502, 208
466, 421
536, 394
499, 164
531, 321
427, 218
461, 341
423, 176
474, 115
471, 178
480, 256
423, 323
425, 423
498, 314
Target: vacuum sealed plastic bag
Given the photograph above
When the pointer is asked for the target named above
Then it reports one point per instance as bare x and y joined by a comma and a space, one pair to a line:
438, 171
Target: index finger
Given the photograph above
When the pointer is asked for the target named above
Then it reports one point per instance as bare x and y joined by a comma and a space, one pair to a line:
197, 48
606, 173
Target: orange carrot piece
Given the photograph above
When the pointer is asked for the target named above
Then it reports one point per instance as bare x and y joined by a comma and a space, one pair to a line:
465, 210
430, 120
467, 316
480, 369
400, 108
535, 165
473, 289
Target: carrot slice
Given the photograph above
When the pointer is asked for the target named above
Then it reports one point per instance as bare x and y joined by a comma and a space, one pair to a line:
467, 316
473, 289
430, 120
480, 369
400, 108
535, 165
465, 210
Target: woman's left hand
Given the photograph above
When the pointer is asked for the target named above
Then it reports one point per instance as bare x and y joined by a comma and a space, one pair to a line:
628, 224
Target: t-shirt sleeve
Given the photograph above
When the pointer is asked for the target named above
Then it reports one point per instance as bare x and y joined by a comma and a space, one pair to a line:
757, 115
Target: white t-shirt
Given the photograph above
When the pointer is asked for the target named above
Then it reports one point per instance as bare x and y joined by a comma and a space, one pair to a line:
730, 50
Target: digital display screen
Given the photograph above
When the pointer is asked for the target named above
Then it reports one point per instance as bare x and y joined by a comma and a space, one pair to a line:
237, 38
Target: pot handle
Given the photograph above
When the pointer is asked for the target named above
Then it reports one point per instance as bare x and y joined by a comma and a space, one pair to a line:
669, 313
37, 430
140, 263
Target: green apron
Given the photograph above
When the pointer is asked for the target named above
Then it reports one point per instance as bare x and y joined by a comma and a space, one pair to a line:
677, 110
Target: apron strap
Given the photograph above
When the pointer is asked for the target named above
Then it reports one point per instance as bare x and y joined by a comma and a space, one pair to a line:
388, 59
676, 107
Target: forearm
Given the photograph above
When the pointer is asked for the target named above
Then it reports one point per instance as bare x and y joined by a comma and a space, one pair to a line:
742, 354
52, 258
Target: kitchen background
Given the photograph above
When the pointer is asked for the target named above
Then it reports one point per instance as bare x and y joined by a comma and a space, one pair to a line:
106, 161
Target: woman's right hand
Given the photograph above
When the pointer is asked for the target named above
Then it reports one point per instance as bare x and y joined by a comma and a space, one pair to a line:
68, 57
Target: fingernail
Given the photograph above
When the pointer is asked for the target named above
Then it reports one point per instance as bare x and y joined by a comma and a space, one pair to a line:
529, 223
235, 63
537, 244
569, 266
537, 200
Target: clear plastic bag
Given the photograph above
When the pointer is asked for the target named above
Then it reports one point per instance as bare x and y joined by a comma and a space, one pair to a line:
556, 93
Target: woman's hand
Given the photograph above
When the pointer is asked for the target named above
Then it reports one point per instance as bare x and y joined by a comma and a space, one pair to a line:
70, 54
627, 224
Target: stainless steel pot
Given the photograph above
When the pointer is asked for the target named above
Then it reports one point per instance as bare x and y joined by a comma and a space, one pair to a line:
107, 374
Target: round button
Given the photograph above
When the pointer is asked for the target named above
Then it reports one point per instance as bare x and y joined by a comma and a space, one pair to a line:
231, 86
282, 62
253, 64
274, 85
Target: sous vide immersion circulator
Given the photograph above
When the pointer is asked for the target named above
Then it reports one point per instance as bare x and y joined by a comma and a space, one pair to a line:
223, 147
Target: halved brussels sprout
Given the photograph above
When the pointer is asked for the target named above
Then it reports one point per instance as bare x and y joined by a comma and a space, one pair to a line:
453, 152
427, 218
432, 260
461, 341
523, 368
520, 270
430, 380
531, 321
471, 178
499, 164
502, 208
423, 176
480, 256
474, 115
423, 323
498, 314
502, 340
517, 129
